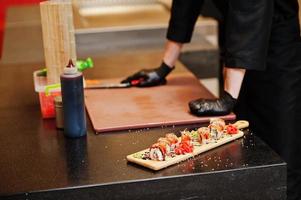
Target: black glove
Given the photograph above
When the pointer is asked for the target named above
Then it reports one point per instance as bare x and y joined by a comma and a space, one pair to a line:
149, 77
213, 107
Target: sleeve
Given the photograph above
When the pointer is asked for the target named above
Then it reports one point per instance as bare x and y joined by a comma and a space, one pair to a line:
248, 29
184, 14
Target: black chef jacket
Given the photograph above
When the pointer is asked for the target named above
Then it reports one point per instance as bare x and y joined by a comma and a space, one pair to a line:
248, 28
262, 36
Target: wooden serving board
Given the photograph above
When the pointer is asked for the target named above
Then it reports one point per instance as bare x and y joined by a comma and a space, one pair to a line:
157, 165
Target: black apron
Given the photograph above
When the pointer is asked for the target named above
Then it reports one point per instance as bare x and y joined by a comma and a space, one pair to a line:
271, 99
262, 36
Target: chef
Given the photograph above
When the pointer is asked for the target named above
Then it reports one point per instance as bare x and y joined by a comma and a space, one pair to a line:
262, 71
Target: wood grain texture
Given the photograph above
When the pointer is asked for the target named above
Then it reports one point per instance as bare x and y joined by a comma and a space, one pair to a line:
58, 37
158, 165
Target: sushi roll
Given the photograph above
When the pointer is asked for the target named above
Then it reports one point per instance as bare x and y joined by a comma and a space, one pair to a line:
217, 122
172, 138
164, 140
217, 127
157, 152
166, 143
204, 133
215, 132
194, 135
185, 137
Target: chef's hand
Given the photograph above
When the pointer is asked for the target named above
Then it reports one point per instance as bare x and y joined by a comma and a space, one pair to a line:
214, 107
149, 77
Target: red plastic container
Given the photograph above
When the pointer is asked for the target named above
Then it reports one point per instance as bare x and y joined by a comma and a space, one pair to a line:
47, 104
46, 98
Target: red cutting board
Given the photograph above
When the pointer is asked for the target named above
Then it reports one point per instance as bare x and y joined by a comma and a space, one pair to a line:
132, 108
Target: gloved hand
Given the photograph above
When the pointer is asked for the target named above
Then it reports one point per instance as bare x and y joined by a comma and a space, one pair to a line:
149, 77
213, 107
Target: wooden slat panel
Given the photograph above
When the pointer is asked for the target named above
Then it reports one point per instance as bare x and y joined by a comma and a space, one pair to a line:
58, 37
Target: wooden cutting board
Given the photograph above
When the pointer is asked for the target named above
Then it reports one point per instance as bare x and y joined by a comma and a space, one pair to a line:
132, 108
198, 149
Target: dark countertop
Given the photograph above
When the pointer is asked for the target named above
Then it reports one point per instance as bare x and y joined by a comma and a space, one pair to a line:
36, 157
38, 162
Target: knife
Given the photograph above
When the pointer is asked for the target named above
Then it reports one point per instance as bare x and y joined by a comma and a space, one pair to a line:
112, 85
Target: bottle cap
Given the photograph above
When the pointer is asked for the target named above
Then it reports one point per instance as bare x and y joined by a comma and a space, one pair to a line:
84, 64
70, 68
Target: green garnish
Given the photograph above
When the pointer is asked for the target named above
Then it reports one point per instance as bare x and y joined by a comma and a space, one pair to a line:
194, 135
138, 155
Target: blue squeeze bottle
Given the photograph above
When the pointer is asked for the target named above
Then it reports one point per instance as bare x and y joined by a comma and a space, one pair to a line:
73, 102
